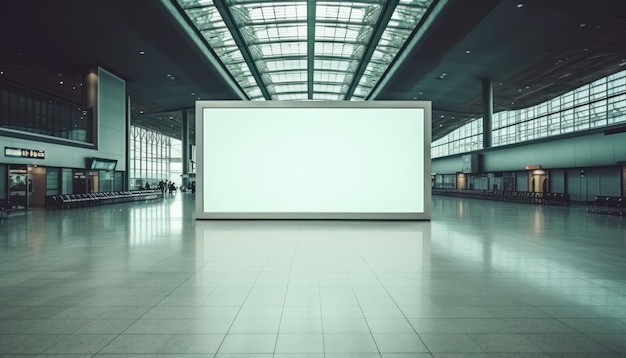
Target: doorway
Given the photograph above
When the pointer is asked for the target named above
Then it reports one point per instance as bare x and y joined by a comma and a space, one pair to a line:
537, 181
37, 187
460, 181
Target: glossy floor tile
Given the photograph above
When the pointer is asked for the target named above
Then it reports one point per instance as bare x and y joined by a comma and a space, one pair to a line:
482, 279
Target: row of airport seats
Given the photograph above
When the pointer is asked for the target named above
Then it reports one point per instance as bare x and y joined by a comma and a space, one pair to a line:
70, 201
6, 208
607, 205
509, 196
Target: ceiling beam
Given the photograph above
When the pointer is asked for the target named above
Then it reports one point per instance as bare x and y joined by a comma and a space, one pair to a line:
178, 13
410, 44
381, 25
310, 34
231, 24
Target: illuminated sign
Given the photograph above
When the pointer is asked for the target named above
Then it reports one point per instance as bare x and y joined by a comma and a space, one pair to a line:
24, 153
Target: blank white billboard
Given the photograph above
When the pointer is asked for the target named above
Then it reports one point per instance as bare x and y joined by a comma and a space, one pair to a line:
313, 160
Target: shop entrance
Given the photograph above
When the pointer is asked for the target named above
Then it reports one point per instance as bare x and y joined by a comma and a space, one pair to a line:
18, 186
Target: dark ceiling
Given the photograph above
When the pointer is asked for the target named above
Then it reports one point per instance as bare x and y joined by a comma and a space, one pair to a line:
531, 50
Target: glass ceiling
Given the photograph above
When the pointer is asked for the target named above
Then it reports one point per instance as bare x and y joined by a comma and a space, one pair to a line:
298, 50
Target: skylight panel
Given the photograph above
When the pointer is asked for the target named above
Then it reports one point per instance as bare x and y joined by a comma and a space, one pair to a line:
335, 49
326, 96
297, 87
337, 65
291, 96
282, 65
337, 32
281, 49
284, 33
327, 88
332, 76
345, 11
291, 76
262, 12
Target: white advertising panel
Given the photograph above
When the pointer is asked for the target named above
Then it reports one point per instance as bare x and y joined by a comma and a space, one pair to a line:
313, 160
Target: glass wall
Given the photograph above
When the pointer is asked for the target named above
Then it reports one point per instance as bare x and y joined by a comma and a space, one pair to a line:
463, 139
151, 157
26, 111
598, 104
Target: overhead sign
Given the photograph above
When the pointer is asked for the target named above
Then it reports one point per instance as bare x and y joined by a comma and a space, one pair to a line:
24, 153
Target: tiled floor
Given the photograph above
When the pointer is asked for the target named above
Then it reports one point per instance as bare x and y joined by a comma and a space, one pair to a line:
482, 279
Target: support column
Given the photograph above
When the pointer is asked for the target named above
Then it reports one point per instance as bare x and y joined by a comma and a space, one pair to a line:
487, 111
90, 99
126, 174
185, 147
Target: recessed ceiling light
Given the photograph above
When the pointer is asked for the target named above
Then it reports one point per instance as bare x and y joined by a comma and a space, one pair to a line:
140, 112
171, 117
582, 25
414, 97
442, 116
73, 87
193, 93
61, 82
520, 5
441, 125
468, 51
142, 53
1, 72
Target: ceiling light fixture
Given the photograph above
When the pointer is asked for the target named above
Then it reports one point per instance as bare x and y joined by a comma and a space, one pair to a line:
140, 112
468, 51
142, 53
520, 5
61, 82
582, 25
